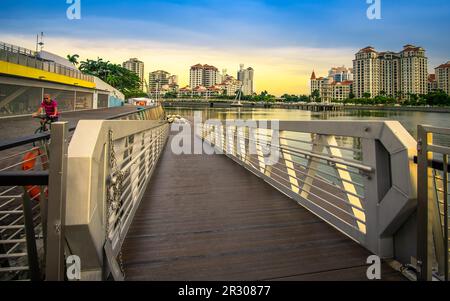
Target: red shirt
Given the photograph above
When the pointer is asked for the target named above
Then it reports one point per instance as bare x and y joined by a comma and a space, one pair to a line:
49, 107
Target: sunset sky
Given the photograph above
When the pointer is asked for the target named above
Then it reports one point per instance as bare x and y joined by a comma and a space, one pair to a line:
282, 40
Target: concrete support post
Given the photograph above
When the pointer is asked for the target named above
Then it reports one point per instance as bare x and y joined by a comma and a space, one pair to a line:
57, 202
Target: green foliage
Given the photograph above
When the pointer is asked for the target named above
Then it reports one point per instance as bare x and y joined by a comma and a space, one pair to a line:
295, 98
438, 98
170, 95
120, 78
264, 97
73, 59
315, 96
134, 93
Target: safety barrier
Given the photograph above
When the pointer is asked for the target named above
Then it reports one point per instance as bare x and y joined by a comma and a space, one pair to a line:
357, 176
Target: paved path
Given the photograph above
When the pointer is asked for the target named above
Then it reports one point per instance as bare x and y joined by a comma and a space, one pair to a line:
11, 128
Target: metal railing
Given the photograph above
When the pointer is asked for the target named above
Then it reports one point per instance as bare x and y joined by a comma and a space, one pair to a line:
433, 202
132, 160
108, 176
27, 206
356, 176
24, 176
21, 208
21, 56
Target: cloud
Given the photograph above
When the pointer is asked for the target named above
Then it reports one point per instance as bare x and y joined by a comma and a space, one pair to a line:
277, 69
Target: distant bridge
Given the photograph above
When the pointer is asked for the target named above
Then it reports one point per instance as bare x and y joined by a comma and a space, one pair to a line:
220, 103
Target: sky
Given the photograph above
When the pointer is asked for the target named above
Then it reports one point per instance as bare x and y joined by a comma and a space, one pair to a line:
282, 40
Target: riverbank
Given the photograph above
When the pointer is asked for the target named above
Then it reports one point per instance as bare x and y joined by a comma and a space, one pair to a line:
299, 106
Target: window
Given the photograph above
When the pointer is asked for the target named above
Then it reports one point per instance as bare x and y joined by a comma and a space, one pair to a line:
19, 100
83, 101
64, 98
102, 101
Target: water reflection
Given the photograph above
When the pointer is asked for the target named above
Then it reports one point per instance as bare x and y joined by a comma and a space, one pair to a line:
410, 120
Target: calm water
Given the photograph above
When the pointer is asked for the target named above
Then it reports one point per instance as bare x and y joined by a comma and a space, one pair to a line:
409, 120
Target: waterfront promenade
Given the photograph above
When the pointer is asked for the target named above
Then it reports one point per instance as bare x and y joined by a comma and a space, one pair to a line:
17, 127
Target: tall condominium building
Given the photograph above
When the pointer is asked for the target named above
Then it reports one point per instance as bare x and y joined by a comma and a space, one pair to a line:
157, 80
137, 67
443, 77
204, 75
390, 73
245, 76
341, 74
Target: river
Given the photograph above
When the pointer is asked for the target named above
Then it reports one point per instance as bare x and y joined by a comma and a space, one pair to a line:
410, 120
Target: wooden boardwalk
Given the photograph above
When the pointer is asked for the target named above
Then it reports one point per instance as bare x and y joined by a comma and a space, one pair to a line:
207, 218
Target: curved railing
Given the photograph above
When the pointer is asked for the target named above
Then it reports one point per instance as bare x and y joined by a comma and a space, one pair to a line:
357, 176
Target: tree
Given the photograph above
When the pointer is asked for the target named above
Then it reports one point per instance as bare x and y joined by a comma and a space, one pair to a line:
315, 95
120, 78
366, 95
73, 59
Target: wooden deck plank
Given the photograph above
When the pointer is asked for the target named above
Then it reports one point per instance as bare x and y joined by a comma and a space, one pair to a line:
207, 218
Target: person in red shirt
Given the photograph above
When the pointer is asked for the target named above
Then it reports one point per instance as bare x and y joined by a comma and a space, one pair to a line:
49, 107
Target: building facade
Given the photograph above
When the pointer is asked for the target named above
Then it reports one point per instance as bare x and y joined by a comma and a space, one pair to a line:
432, 83
341, 91
230, 85
25, 76
245, 76
329, 89
204, 75
137, 67
443, 77
341, 74
157, 80
390, 73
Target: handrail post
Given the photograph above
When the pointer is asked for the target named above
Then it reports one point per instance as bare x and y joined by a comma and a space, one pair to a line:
57, 202
377, 184
424, 212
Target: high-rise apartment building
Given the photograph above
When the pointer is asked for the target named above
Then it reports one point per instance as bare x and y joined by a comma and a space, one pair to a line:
341, 74
443, 77
137, 67
204, 75
157, 80
389, 73
245, 76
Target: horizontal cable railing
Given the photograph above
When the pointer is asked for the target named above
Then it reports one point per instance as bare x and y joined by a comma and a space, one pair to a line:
24, 176
23, 196
433, 199
133, 160
115, 168
337, 170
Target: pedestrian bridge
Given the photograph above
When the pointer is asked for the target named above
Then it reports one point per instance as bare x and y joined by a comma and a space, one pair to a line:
123, 198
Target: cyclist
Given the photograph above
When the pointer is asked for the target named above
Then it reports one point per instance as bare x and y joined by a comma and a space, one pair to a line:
49, 107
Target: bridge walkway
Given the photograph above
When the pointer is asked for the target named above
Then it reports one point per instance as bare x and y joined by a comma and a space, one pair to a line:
207, 218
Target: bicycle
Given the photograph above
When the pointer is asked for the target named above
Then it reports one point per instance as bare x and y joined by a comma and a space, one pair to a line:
46, 121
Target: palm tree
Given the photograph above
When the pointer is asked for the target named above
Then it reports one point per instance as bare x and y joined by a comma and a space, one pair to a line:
73, 59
